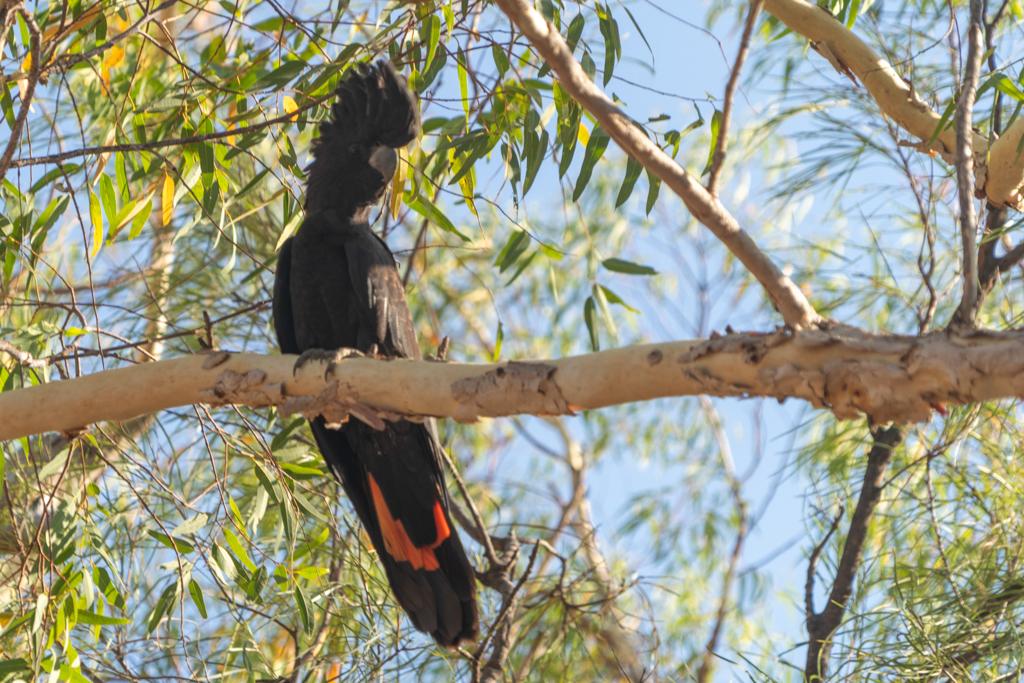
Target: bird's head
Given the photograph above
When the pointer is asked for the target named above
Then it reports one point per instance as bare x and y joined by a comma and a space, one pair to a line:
354, 157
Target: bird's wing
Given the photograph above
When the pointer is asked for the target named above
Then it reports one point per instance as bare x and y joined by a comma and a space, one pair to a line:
375, 280
284, 323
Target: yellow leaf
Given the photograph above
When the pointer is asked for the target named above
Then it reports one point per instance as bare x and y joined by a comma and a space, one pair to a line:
398, 184
167, 200
26, 66
290, 106
584, 135
114, 57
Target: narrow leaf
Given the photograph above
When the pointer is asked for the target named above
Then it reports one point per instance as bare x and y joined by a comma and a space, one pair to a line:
595, 150
428, 210
196, 591
167, 200
620, 266
590, 316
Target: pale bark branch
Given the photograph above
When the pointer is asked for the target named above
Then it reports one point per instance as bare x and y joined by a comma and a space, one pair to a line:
1004, 173
785, 295
848, 371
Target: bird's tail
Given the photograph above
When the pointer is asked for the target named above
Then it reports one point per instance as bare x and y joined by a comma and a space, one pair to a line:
407, 520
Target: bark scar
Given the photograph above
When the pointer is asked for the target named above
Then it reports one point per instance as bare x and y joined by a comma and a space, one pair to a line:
508, 390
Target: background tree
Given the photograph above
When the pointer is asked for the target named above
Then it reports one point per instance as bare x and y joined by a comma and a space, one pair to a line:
155, 165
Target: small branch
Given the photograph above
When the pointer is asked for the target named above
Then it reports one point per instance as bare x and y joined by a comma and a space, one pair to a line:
718, 161
65, 62
481, 536
821, 626
812, 564
35, 44
174, 142
796, 311
968, 309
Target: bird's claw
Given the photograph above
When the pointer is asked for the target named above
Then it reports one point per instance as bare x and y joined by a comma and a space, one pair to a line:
331, 357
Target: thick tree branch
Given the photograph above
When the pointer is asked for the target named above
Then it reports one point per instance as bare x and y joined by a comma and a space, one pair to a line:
785, 295
1004, 175
821, 626
850, 372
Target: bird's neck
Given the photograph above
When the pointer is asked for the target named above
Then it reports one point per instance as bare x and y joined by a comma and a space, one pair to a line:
362, 214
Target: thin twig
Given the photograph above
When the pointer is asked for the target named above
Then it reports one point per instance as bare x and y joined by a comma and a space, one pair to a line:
718, 160
812, 564
174, 142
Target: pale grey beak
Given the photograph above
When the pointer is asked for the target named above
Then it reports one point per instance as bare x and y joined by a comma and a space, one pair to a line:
385, 160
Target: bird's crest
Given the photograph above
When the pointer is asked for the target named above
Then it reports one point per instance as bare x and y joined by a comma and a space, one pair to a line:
374, 108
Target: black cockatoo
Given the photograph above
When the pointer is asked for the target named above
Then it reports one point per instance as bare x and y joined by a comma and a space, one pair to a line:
337, 287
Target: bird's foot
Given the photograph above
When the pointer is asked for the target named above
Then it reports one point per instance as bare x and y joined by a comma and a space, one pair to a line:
331, 357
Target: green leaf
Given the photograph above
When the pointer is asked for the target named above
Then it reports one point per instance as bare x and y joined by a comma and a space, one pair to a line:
944, 120
140, 220
163, 606
179, 544
191, 525
196, 591
107, 197
7, 104
572, 36
92, 619
653, 187
619, 266
463, 81
266, 481
612, 47
305, 606
301, 472
716, 121
8, 666
54, 465
517, 243
633, 169
596, 146
854, 11
589, 67
500, 59
289, 521
431, 33
614, 298
279, 77
426, 208
590, 316
309, 508
238, 550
